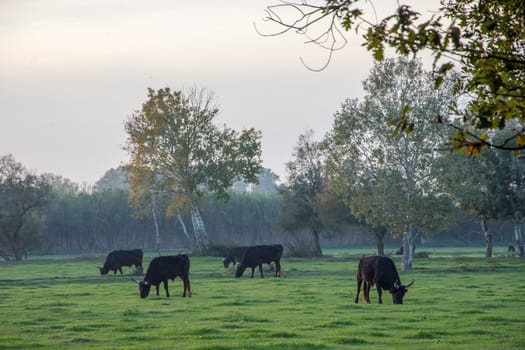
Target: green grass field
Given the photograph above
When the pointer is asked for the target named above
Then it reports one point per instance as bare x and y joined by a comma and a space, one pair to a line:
459, 301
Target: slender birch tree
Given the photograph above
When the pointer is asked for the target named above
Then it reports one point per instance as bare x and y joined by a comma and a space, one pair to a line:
178, 153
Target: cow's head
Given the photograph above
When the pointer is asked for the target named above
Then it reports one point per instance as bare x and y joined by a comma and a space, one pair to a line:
144, 288
103, 270
239, 271
226, 261
399, 291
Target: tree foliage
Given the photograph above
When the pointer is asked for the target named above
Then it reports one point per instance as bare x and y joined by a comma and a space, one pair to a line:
390, 181
484, 40
103, 221
22, 193
114, 178
267, 183
489, 187
305, 182
177, 151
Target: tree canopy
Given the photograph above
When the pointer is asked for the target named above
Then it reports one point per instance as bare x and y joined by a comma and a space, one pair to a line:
483, 40
390, 181
177, 151
306, 182
114, 178
489, 187
21, 194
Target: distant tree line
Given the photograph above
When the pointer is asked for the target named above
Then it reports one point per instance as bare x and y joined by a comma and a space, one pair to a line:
71, 220
103, 221
196, 186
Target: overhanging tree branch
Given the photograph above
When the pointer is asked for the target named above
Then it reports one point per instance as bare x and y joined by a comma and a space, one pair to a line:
485, 39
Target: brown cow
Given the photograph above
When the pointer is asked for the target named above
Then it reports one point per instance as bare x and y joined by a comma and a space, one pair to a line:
379, 271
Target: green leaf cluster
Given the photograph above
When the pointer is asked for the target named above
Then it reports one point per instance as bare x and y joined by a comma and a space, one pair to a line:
482, 40
485, 40
177, 151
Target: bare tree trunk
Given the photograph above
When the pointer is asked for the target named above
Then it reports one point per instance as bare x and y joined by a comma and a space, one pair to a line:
518, 237
408, 248
18, 253
318, 250
380, 233
412, 242
380, 246
488, 238
183, 225
199, 230
155, 221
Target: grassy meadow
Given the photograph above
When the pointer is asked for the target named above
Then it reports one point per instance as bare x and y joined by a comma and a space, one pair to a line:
459, 300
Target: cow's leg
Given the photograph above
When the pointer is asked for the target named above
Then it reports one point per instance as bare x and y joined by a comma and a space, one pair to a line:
277, 269
187, 288
120, 269
253, 270
166, 288
379, 294
260, 270
366, 292
359, 282
157, 287
183, 286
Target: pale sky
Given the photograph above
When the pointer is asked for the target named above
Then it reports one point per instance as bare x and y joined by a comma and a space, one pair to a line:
72, 71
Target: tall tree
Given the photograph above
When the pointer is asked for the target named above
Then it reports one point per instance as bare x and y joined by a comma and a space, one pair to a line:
389, 181
305, 183
178, 152
113, 179
490, 186
22, 193
485, 40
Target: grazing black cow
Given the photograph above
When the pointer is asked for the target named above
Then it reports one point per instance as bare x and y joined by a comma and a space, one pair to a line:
163, 268
234, 256
257, 255
118, 258
381, 271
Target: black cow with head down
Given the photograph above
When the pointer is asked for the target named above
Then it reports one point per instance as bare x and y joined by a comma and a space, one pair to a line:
118, 258
234, 256
261, 254
163, 268
381, 272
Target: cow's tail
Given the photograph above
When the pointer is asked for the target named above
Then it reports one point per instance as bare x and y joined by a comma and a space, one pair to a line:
186, 264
